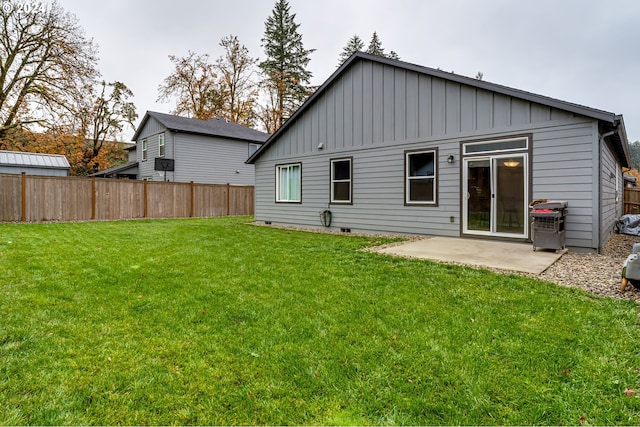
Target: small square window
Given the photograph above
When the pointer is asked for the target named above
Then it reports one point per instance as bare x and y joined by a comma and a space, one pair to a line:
253, 148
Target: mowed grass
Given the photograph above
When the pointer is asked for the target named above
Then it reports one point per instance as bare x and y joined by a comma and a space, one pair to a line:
213, 321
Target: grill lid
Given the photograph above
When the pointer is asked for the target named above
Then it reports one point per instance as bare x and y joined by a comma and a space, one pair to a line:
550, 204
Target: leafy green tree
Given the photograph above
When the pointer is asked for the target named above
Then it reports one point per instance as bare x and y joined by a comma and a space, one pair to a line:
354, 45
287, 78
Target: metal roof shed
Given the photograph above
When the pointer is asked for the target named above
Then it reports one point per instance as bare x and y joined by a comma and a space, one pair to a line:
13, 162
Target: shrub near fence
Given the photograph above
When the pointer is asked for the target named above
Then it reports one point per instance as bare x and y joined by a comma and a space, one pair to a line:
31, 198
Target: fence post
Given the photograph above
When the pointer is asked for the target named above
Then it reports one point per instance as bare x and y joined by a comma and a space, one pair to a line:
228, 198
192, 210
93, 198
145, 197
24, 197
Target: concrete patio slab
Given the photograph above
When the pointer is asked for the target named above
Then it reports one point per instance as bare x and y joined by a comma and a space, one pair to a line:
481, 253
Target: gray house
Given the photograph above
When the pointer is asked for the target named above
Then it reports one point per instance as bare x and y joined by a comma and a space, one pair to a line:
181, 149
394, 147
13, 162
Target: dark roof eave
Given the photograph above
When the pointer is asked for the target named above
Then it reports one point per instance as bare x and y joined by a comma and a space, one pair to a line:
115, 169
235, 138
600, 115
167, 119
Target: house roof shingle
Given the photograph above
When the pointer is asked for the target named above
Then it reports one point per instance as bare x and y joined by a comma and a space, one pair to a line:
613, 124
212, 127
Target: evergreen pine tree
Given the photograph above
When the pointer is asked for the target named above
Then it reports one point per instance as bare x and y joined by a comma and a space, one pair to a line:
285, 67
393, 55
375, 46
354, 45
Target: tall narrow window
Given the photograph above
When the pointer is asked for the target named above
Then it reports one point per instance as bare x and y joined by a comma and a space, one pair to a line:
420, 184
144, 150
161, 145
341, 181
288, 183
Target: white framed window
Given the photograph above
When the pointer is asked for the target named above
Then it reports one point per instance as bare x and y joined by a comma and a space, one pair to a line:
144, 150
341, 180
161, 145
289, 183
501, 145
420, 177
253, 148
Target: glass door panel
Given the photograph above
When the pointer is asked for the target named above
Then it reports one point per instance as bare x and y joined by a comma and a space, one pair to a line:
479, 195
509, 191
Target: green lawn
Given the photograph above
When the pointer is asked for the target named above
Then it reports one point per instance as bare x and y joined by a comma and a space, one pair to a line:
212, 321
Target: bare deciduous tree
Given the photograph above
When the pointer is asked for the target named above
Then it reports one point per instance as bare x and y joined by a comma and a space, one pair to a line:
46, 66
238, 90
193, 82
102, 120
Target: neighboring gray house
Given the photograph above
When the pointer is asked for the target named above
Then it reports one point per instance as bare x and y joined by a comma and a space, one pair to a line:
399, 148
203, 151
14, 162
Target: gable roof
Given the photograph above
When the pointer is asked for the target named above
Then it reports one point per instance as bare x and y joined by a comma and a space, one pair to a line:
612, 124
212, 127
38, 160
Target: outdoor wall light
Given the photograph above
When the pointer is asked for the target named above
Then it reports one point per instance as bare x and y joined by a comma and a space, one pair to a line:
321, 146
451, 158
237, 170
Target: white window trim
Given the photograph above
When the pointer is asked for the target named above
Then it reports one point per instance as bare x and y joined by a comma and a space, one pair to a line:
408, 178
333, 181
279, 198
161, 145
144, 150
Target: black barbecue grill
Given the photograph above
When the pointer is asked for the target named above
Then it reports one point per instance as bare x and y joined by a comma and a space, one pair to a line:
547, 224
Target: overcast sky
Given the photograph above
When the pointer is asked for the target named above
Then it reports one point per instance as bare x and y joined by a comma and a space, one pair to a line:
582, 51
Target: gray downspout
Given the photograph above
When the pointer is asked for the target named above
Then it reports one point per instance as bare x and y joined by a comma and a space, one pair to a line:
600, 142
173, 139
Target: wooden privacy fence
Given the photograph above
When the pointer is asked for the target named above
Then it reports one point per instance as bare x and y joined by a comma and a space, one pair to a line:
31, 198
631, 200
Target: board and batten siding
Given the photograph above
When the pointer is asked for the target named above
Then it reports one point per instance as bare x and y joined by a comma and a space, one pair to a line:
373, 112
